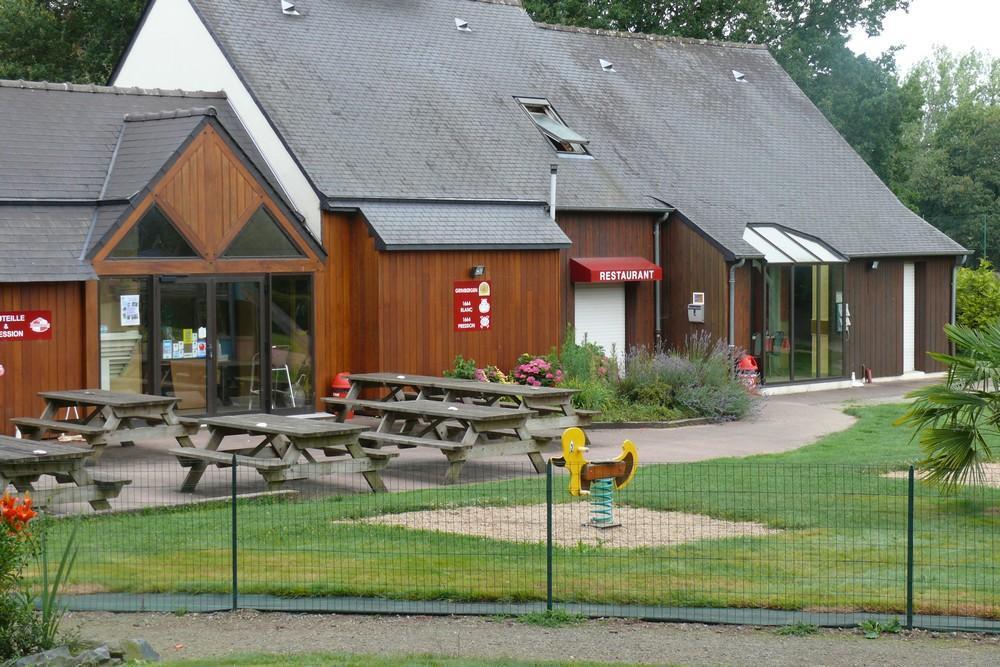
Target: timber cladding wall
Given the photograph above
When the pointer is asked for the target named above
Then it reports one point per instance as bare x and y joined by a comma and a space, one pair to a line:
44, 365
694, 264
613, 235
876, 301
394, 311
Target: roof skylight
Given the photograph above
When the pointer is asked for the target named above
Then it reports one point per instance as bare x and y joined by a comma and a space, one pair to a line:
288, 8
462, 26
607, 65
562, 137
739, 76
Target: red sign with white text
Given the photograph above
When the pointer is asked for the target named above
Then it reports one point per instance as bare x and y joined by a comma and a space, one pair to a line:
26, 325
473, 305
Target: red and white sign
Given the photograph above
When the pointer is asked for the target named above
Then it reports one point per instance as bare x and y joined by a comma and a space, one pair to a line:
613, 269
26, 325
473, 305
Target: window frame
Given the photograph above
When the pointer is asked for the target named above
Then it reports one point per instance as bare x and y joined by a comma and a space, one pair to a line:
561, 147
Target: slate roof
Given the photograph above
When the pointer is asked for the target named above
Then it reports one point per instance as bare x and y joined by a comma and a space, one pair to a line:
419, 225
42, 243
73, 160
389, 100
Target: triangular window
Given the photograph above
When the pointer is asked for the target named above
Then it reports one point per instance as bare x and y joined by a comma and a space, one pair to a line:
154, 236
262, 236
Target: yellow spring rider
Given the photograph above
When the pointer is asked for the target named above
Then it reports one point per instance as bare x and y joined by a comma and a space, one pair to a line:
596, 479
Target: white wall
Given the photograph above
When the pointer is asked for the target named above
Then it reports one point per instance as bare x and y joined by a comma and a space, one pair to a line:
909, 317
600, 316
175, 50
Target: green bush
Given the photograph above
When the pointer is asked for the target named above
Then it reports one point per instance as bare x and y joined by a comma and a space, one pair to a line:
462, 369
22, 630
977, 296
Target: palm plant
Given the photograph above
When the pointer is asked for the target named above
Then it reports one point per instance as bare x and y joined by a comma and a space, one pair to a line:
956, 421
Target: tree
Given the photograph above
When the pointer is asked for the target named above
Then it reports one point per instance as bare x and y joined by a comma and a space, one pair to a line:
958, 421
861, 97
977, 296
64, 40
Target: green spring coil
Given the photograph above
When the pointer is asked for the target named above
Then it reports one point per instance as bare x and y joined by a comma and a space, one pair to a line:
602, 509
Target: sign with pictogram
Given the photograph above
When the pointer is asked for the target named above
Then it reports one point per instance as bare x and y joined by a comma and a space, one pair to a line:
473, 305
26, 325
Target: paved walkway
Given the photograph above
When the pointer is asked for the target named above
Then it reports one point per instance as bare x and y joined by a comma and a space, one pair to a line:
783, 423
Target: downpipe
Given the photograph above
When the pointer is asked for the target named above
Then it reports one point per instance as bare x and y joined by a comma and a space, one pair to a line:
658, 285
732, 315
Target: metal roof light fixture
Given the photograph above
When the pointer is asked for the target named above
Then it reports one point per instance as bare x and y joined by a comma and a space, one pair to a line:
288, 8
462, 25
477, 271
739, 76
607, 65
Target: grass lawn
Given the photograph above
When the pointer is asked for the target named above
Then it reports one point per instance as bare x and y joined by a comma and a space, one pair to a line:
842, 547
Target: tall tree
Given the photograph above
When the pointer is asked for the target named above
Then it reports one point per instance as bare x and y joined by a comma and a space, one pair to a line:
64, 40
860, 96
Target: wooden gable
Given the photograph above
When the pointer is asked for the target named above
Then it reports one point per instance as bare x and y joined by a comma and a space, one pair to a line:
208, 193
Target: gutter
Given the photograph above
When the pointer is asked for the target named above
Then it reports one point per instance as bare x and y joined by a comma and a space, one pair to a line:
658, 285
732, 312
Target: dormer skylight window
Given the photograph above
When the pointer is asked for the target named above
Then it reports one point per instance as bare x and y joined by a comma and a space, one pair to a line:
563, 138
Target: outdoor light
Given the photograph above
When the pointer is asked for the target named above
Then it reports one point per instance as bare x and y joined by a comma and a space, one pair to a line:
477, 271
874, 264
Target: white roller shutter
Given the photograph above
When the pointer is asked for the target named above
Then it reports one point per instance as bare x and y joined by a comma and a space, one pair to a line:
909, 320
600, 316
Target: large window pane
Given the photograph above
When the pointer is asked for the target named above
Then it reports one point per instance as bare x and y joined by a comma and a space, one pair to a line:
777, 337
124, 306
291, 341
237, 357
262, 236
806, 344
154, 236
836, 301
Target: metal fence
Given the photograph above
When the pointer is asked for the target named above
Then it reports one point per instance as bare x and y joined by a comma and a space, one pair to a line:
718, 542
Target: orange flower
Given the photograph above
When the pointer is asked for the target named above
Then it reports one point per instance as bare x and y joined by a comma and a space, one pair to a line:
16, 513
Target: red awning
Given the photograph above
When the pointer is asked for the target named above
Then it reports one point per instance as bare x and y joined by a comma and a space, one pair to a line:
612, 269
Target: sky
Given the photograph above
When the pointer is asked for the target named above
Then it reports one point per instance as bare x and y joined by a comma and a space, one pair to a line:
958, 24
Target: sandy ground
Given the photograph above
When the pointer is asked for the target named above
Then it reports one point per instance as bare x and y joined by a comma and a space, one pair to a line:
209, 635
991, 475
639, 527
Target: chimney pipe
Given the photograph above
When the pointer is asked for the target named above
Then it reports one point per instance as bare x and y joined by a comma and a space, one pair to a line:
553, 171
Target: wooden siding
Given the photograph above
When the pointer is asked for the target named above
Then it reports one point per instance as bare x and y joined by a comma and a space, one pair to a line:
933, 310
694, 264
41, 365
390, 311
209, 194
613, 235
875, 298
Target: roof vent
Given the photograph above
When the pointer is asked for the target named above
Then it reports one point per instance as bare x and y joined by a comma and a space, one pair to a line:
607, 65
288, 8
462, 26
739, 76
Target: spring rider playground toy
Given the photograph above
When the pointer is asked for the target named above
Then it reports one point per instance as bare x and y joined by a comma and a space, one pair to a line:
596, 479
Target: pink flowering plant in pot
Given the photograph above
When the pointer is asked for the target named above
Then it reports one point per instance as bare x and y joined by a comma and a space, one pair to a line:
537, 371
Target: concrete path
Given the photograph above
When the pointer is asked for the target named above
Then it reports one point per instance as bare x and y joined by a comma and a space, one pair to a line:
782, 423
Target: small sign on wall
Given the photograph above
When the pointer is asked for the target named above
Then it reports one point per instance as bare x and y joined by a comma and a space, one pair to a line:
26, 325
130, 310
473, 305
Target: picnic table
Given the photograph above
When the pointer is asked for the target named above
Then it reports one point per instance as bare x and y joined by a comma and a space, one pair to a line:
553, 405
23, 462
283, 451
114, 418
458, 430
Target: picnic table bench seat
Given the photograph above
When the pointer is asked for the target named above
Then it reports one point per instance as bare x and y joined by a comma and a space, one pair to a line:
187, 455
34, 427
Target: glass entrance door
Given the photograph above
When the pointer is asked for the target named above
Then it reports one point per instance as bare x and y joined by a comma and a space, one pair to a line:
210, 343
238, 327
183, 343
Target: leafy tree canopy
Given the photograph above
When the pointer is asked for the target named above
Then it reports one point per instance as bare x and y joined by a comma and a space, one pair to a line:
64, 40
977, 296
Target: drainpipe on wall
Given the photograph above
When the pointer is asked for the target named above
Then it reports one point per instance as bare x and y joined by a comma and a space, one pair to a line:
732, 313
959, 261
553, 171
658, 286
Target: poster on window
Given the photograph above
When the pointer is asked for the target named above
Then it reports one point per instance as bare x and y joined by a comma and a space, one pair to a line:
130, 310
473, 305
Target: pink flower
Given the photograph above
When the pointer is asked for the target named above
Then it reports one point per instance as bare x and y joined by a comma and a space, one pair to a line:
549, 376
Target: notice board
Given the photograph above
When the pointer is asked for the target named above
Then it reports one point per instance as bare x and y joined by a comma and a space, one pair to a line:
473, 305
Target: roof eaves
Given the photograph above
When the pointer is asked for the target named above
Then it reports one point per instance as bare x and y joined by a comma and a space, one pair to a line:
474, 246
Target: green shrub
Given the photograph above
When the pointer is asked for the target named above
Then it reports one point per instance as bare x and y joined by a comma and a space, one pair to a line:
585, 361
462, 368
977, 296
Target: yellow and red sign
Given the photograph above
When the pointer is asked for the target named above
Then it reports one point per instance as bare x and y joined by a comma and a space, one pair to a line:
473, 305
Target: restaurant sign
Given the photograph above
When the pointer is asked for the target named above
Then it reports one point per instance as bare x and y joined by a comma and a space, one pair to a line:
26, 325
473, 305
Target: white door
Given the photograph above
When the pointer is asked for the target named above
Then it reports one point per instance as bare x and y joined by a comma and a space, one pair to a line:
600, 316
909, 313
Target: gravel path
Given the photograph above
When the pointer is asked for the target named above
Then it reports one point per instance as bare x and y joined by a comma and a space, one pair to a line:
209, 635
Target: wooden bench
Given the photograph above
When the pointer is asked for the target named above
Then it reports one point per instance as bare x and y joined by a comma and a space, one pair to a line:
187, 455
33, 428
409, 440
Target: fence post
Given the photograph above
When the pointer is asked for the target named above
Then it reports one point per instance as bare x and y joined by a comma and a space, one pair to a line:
909, 550
548, 535
232, 548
